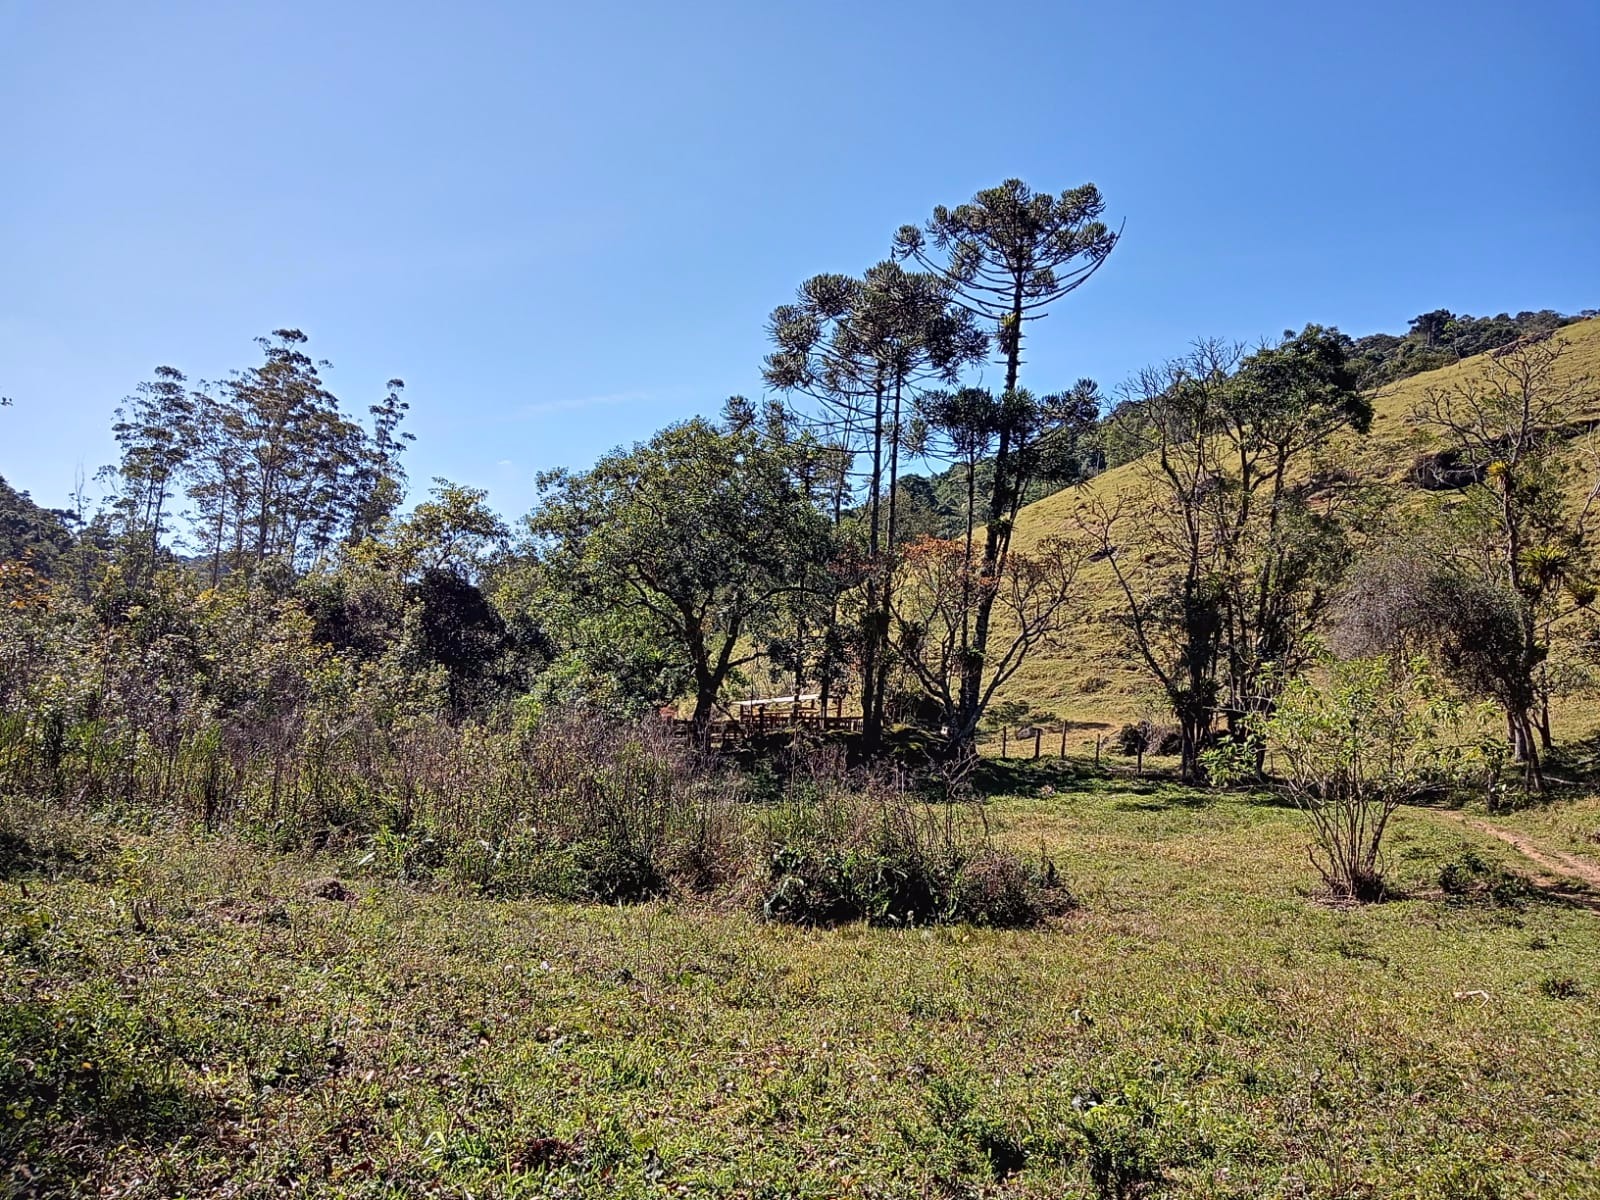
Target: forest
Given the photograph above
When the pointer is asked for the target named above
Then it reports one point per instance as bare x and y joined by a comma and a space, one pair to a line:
733, 701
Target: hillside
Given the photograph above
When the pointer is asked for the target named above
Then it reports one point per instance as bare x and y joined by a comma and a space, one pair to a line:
30, 533
1095, 677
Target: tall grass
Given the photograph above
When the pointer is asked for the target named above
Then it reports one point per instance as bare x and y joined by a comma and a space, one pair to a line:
570, 805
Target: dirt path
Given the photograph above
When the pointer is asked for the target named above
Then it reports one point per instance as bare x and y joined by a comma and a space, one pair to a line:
1555, 863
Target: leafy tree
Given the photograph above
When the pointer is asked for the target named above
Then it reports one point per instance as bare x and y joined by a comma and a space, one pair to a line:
450, 623
453, 530
1525, 524
688, 542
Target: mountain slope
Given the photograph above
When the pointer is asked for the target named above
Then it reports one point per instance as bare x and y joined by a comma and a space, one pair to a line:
1095, 677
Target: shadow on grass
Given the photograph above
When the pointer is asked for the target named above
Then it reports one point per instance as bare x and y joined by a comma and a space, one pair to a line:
1009, 776
82, 1079
1154, 790
1574, 765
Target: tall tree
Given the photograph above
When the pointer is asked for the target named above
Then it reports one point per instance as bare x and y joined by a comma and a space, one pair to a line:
1007, 256
1529, 506
1045, 439
1226, 549
278, 472
864, 348
378, 479
155, 428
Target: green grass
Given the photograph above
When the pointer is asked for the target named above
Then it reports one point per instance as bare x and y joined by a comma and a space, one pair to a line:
182, 1016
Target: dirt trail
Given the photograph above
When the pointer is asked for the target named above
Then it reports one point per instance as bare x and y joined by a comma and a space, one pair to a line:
1556, 863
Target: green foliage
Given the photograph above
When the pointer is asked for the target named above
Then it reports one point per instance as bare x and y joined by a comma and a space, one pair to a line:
37, 536
885, 858
1226, 552
1441, 337
680, 552
256, 1036
1354, 747
1133, 1134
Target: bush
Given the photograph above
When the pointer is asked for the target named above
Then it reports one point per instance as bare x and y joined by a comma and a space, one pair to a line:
1353, 749
1134, 740
617, 873
890, 879
998, 889
1132, 1134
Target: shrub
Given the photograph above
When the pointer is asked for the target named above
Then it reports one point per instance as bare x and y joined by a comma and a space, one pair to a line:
1353, 749
1132, 1134
820, 885
1134, 740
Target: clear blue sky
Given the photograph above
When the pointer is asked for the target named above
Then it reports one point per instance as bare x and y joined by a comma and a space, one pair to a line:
564, 225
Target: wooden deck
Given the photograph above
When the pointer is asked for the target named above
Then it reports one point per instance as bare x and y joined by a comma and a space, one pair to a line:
779, 714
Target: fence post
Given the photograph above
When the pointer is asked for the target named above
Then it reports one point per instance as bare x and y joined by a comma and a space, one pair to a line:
1097, 739
1063, 739
1003, 732
1037, 734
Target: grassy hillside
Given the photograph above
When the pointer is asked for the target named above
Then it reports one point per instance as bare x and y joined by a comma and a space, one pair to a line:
1094, 677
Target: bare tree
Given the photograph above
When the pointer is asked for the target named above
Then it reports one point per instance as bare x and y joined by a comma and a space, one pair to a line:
940, 587
1239, 532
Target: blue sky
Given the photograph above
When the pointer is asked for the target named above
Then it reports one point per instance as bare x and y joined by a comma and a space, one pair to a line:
564, 226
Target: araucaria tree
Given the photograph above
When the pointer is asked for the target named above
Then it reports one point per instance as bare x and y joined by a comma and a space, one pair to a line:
1529, 504
984, 619
863, 350
1226, 548
683, 550
1006, 256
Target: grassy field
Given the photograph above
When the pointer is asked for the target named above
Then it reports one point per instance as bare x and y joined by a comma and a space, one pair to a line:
186, 1015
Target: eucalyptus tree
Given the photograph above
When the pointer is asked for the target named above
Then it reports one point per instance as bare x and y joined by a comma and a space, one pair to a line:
378, 479
276, 469
864, 349
688, 545
155, 430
